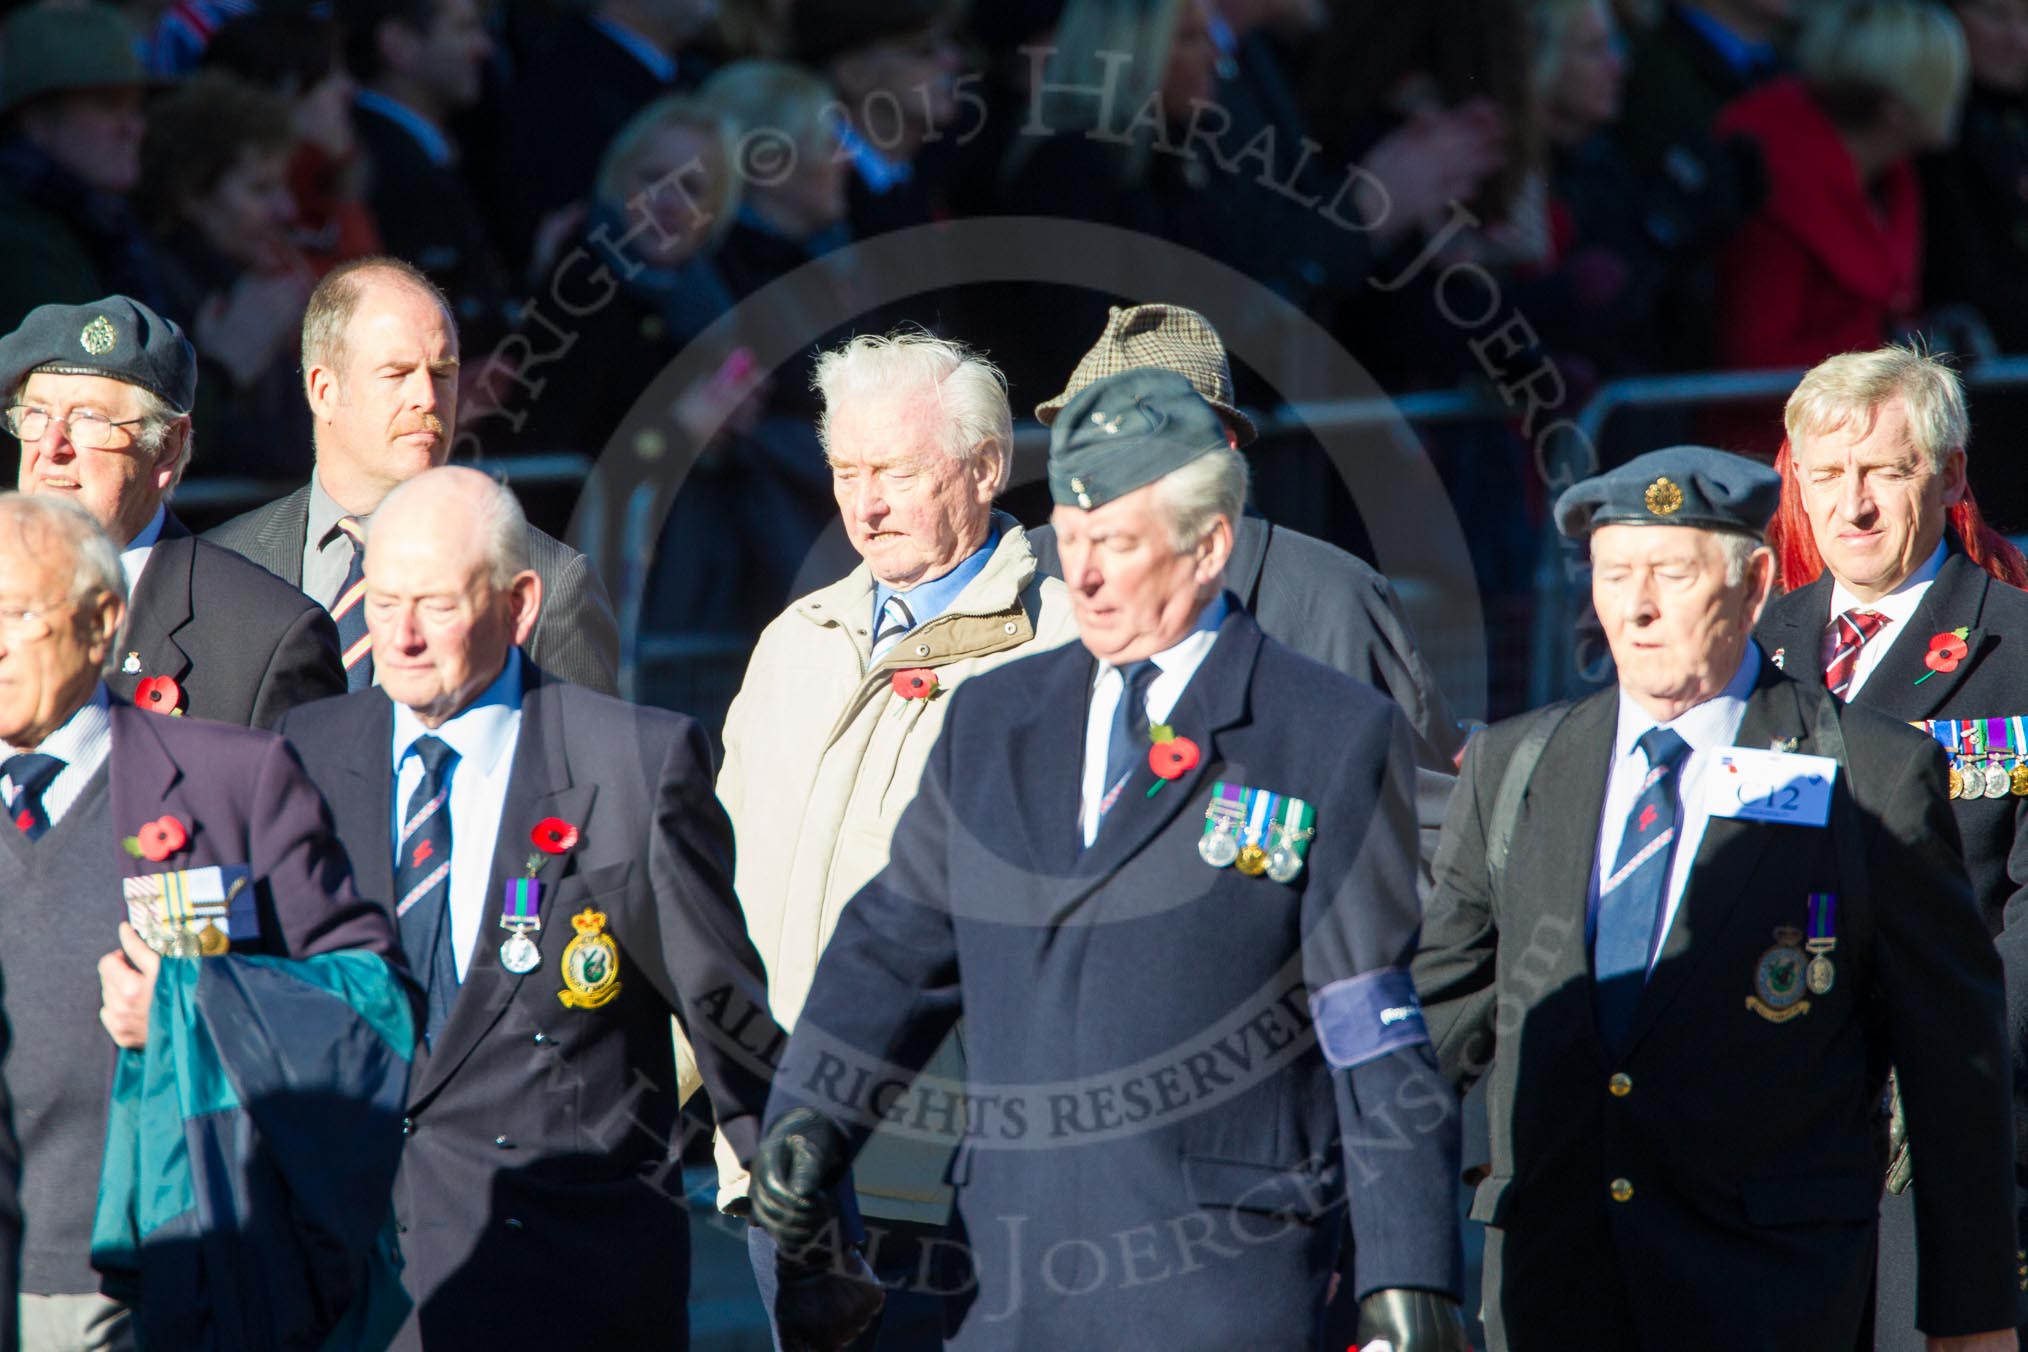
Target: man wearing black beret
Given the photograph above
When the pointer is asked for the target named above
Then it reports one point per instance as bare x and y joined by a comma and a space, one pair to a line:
1168, 876
100, 396
1685, 925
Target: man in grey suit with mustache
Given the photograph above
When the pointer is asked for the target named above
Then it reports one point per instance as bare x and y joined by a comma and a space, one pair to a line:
380, 370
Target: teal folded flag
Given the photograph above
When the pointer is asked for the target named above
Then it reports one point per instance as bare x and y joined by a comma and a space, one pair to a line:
246, 1198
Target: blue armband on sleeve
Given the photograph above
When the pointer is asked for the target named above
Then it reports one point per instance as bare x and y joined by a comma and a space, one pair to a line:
1364, 1017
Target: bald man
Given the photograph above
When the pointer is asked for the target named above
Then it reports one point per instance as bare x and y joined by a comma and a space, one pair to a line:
561, 874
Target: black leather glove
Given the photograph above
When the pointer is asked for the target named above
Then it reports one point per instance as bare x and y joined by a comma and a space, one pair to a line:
823, 1307
1413, 1321
799, 1162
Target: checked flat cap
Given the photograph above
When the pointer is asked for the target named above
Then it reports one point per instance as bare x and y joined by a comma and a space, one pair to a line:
1165, 336
117, 337
1124, 433
1680, 486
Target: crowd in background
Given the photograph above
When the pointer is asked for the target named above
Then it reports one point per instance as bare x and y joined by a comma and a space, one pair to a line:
1655, 187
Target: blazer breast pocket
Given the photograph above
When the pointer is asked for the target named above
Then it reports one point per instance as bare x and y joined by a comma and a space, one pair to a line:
1298, 1192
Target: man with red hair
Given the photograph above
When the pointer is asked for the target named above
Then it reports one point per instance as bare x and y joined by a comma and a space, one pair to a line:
1902, 599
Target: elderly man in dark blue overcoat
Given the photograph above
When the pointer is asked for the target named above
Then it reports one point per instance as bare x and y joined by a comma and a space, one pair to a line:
1168, 877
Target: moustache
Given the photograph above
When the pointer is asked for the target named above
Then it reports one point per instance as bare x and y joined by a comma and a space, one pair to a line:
426, 422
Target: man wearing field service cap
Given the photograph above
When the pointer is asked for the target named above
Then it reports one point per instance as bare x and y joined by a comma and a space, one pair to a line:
1124, 850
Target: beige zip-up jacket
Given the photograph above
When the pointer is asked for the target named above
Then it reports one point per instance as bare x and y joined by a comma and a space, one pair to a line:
821, 756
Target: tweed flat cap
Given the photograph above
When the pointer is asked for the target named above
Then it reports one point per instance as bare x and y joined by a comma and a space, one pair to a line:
1680, 486
117, 337
1124, 433
1166, 336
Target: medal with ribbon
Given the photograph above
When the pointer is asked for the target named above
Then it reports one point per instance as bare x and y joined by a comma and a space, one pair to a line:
2017, 774
1219, 845
1258, 831
1997, 737
521, 915
1823, 939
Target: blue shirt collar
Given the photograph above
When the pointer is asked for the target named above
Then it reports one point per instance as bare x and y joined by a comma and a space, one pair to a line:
659, 63
433, 142
927, 600
481, 732
880, 174
1744, 57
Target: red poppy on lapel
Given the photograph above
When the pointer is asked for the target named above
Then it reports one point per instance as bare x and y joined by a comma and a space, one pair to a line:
1946, 650
916, 683
160, 694
158, 839
553, 835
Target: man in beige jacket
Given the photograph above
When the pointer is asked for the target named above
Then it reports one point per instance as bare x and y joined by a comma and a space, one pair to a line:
845, 695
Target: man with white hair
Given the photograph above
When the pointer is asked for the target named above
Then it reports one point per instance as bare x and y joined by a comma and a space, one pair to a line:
846, 693
1168, 876
562, 880
100, 397
220, 818
1916, 613
1682, 927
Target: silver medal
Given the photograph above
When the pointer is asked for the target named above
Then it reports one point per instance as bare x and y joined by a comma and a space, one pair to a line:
1284, 864
519, 954
1998, 784
1218, 848
1975, 783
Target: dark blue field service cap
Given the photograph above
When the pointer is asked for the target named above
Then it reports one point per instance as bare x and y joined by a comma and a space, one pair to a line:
1125, 432
115, 337
1680, 486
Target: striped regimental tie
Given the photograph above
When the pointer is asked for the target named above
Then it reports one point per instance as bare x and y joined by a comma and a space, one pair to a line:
1630, 897
1855, 629
896, 619
349, 610
422, 882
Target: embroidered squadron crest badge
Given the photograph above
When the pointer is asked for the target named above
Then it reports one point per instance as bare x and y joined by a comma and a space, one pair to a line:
1778, 978
591, 963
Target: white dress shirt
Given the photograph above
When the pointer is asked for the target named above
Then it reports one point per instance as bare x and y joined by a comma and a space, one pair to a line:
1898, 606
135, 556
1177, 665
82, 744
483, 734
1709, 728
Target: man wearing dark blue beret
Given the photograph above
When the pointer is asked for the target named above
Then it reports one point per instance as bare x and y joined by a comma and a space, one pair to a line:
100, 397
1168, 876
1685, 926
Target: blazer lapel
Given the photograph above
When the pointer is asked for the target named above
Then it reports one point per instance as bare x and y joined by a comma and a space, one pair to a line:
158, 608
139, 776
1903, 685
1249, 556
283, 536
1727, 858
372, 789
1794, 628
1215, 699
539, 786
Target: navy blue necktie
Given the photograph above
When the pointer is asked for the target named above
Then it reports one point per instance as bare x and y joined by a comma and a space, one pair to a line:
349, 610
1128, 745
1630, 898
29, 774
422, 882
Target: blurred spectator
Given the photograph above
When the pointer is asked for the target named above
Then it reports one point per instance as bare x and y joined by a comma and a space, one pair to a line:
792, 204
296, 56
214, 189
1975, 195
70, 155
596, 69
418, 62
185, 31
1831, 261
894, 66
1695, 59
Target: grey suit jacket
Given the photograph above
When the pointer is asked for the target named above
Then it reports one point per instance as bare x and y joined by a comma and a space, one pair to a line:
576, 637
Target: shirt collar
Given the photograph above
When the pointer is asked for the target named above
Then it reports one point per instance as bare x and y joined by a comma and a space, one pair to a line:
134, 555
324, 514
146, 537
1188, 652
89, 720
1898, 605
877, 171
480, 732
659, 63
1744, 57
1704, 726
927, 600
433, 142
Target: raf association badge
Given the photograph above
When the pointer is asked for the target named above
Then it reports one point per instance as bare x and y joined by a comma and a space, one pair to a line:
1778, 978
591, 963
1663, 498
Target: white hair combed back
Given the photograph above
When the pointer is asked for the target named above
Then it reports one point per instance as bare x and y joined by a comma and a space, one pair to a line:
966, 388
94, 562
1739, 551
1854, 386
1211, 486
502, 526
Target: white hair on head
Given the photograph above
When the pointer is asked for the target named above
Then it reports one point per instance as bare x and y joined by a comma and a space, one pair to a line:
965, 389
1211, 486
94, 560
501, 526
1853, 387
1738, 550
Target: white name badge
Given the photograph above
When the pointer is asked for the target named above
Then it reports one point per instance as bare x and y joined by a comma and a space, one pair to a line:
1771, 786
